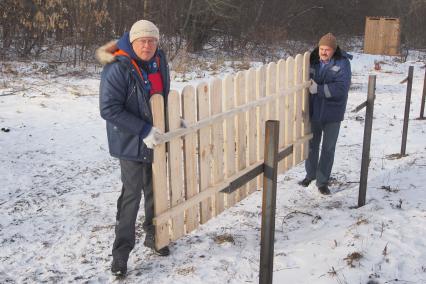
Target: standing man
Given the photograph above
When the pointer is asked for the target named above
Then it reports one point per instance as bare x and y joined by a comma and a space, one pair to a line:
136, 70
330, 75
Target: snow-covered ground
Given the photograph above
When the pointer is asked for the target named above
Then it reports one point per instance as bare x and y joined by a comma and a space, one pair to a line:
59, 188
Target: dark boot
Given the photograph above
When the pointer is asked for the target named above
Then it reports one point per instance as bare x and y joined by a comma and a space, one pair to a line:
150, 243
324, 190
119, 266
305, 182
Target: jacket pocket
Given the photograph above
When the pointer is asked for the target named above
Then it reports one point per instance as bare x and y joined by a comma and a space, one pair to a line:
123, 144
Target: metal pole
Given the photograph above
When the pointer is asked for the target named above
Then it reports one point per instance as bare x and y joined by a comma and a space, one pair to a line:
269, 202
407, 111
367, 140
422, 108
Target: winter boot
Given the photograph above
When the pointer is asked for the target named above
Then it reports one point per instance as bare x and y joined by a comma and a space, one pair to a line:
324, 190
305, 182
150, 243
119, 266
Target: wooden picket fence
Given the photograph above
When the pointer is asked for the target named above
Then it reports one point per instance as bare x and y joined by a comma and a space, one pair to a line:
224, 140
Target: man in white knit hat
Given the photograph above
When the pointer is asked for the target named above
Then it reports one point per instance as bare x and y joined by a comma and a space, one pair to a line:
135, 70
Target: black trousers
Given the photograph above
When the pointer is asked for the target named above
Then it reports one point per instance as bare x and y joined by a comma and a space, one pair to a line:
136, 177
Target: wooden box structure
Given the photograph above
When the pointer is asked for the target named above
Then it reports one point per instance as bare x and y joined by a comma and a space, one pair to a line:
224, 140
382, 36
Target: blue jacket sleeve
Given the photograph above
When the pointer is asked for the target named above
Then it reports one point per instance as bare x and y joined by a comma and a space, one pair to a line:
336, 87
112, 100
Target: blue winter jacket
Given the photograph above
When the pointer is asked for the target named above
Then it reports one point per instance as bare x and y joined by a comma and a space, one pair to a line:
329, 104
124, 103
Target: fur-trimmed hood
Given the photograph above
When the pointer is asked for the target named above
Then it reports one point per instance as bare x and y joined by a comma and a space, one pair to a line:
105, 53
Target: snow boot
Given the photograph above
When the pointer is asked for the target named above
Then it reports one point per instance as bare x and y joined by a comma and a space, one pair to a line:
324, 190
150, 243
119, 266
305, 182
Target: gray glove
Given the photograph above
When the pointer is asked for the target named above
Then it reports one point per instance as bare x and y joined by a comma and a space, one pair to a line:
153, 138
313, 88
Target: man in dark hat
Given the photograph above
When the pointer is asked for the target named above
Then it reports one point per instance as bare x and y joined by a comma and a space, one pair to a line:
330, 75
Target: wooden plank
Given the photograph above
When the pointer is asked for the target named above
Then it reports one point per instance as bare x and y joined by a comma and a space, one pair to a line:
240, 99
271, 89
393, 36
289, 110
224, 115
175, 164
211, 191
204, 161
252, 120
189, 114
262, 113
281, 84
159, 175
372, 35
217, 142
306, 124
230, 130
298, 77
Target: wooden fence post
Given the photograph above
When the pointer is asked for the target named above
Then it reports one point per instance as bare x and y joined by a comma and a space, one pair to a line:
407, 111
422, 107
269, 202
367, 140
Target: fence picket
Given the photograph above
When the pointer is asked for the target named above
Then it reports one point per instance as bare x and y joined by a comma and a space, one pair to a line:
289, 137
175, 164
298, 76
262, 115
217, 142
306, 126
241, 129
204, 161
229, 102
271, 89
159, 175
190, 157
281, 84
252, 120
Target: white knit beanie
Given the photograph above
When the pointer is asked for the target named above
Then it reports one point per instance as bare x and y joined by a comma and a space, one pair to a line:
143, 28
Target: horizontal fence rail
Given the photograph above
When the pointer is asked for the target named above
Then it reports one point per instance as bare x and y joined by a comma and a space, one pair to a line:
217, 159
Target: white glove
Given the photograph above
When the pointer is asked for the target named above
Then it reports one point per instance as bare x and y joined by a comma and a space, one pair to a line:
153, 138
313, 88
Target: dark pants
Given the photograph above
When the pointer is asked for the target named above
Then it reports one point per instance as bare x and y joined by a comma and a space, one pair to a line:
136, 177
321, 171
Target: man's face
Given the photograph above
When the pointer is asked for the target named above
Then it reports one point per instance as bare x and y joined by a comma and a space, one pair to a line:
145, 47
325, 53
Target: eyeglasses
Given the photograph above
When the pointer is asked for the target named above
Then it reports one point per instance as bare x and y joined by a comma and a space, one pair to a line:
150, 42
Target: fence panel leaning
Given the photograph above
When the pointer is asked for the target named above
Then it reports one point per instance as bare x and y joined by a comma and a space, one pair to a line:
221, 141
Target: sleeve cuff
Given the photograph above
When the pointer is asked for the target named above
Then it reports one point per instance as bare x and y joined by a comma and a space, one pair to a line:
145, 130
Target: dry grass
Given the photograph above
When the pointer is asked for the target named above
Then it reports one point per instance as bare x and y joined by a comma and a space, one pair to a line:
185, 270
225, 238
353, 258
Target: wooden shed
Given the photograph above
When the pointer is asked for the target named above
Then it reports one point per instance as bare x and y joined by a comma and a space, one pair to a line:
382, 36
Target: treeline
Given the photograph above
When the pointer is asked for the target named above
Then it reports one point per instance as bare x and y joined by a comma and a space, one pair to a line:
32, 27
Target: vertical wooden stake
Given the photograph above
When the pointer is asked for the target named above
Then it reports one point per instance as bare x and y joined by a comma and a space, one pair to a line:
269, 202
407, 111
422, 108
367, 140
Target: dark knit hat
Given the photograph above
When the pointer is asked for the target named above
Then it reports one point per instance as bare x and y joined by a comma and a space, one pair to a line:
328, 40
